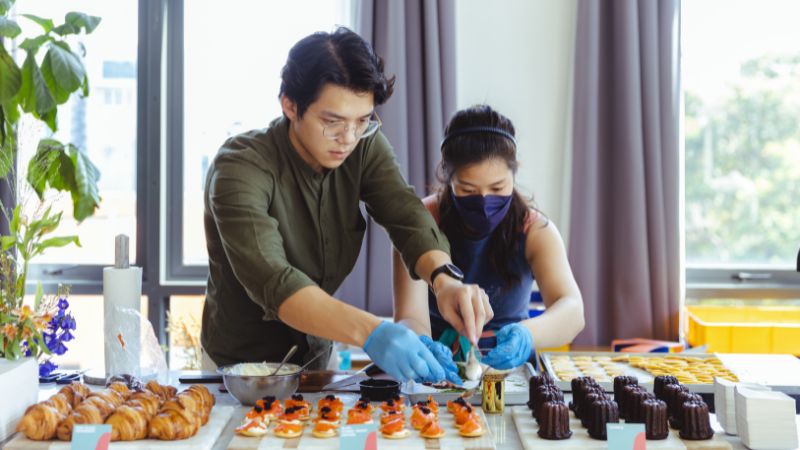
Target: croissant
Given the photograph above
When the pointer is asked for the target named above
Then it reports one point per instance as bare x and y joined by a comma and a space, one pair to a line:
205, 398
60, 402
40, 422
174, 421
147, 400
94, 410
120, 388
165, 392
75, 392
129, 421
182, 416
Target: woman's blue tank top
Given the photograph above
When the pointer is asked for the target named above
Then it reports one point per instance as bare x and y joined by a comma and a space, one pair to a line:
472, 257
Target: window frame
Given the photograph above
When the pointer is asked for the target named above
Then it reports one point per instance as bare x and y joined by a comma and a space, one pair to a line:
159, 21
741, 282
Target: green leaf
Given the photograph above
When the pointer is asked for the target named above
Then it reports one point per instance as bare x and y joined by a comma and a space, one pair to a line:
66, 29
82, 20
11, 112
9, 76
68, 70
86, 198
38, 227
7, 242
32, 44
5, 5
55, 242
46, 24
9, 28
12, 350
15, 219
37, 297
37, 97
65, 168
60, 95
43, 168
6, 156
42, 347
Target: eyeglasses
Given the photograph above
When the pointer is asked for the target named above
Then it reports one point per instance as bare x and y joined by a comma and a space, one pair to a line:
360, 130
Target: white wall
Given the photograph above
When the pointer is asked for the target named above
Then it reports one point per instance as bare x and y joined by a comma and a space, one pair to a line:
516, 55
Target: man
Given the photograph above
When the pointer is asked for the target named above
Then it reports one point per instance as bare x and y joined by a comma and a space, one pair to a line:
283, 225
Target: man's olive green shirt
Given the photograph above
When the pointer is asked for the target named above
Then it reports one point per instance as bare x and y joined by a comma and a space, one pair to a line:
274, 225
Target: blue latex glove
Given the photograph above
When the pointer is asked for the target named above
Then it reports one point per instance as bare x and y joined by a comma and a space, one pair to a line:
445, 358
514, 346
399, 352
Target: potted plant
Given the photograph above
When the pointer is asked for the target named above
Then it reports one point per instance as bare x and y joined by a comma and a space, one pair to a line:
48, 75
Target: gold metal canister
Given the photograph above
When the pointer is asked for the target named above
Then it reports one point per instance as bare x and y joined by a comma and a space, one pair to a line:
493, 399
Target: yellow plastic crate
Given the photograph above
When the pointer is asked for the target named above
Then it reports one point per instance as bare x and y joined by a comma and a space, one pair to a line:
745, 329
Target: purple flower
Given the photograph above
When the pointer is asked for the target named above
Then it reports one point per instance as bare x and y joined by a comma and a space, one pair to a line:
46, 368
63, 304
66, 336
60, 348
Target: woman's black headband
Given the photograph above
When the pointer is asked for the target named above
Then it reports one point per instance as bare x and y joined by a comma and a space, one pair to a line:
470, 130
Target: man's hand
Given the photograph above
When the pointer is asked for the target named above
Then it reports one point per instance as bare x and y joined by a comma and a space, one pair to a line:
514, 347
465, 306
399, 352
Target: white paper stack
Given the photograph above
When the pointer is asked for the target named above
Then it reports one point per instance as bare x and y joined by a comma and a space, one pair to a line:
765, 420
725, 402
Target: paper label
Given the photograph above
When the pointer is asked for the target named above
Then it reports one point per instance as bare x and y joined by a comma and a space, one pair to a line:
358, 437
91, 437
626, 436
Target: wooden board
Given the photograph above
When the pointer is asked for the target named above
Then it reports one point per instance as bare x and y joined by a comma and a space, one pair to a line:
203, 440
580, 440
451, 441
718, 442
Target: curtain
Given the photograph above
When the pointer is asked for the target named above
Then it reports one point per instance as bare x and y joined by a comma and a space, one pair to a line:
416, 39
624, 229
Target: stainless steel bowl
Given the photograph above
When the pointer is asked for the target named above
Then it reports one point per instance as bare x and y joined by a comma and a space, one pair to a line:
249, 388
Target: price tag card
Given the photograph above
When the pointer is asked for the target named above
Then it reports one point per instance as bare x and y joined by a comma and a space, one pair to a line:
626, 436
91, 437
358, 437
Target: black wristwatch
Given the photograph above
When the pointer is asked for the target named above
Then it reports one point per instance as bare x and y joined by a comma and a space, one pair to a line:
450, 269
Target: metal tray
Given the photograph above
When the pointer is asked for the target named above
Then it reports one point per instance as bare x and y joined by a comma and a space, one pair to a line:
645, 378
515, 390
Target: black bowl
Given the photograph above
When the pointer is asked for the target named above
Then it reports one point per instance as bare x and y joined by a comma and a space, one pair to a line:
379, 390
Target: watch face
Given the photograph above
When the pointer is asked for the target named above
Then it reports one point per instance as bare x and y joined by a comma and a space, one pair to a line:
455, 271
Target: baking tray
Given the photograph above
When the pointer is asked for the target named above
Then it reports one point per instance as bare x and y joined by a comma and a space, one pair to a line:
645, 378
515, 389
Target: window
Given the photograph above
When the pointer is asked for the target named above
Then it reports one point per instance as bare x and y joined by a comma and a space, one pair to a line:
185, 316
103, 124
86, 351
231, 85
741, 81
170, 81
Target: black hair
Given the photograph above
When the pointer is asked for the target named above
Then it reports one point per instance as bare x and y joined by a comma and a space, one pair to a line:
343, 58
461, 149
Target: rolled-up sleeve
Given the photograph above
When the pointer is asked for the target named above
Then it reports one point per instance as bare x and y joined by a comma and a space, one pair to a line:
239, 194
396, 207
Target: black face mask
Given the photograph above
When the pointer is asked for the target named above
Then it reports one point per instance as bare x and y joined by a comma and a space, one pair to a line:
482, 214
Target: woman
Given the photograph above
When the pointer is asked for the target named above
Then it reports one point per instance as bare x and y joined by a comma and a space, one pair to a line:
499, 242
